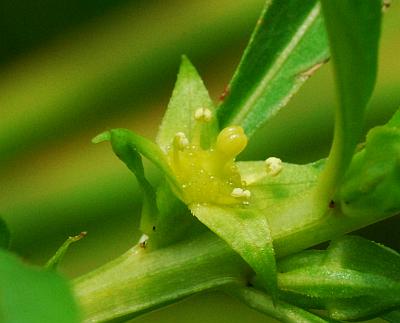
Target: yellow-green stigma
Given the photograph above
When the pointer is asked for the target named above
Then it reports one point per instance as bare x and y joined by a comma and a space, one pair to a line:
210, 175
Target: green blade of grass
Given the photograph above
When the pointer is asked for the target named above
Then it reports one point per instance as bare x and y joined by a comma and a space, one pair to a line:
287, 46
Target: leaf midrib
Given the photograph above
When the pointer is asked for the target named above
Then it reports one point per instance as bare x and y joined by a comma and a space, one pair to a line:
277, 65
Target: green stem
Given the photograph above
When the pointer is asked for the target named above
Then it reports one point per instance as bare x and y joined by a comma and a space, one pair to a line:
142, 280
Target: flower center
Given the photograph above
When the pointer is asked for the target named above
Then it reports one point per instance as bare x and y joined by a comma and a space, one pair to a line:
209, 175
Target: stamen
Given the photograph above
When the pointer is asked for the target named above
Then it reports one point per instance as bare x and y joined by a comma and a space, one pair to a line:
203, 114
181, 141
239, 192
207, 115
273, 166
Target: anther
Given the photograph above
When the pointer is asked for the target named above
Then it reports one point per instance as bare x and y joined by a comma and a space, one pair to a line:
203, 114
181, 141
239, 192
273, 166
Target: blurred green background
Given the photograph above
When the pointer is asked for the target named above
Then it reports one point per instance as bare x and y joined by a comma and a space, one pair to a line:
71, 69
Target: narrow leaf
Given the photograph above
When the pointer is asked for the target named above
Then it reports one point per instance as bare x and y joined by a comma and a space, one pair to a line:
28, 294
127, 144
288, 44
54, 261
188, 96
4, 235
247, 232
353, 28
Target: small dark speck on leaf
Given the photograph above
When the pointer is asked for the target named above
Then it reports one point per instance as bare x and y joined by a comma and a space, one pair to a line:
310, 71
224, 94
386, 5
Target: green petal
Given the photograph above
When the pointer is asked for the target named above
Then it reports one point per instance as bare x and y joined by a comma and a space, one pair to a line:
189, 95
247, 232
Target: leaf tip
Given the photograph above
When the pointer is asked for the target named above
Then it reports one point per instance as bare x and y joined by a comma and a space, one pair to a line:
104, 136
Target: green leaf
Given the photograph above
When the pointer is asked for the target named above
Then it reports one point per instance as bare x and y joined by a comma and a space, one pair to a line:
4, 235
28, 294
354, 279
269, 190
392, 317
353, 28
127, 145
174, 221
327, 282
359, 308
302, 259
279, 310
288, 44
360, 254
395, 120
247, 232
364, 256
54, 261
245, 227
372, 184
189, 95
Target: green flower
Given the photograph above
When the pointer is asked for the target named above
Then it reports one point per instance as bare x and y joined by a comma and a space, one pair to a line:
198, 162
